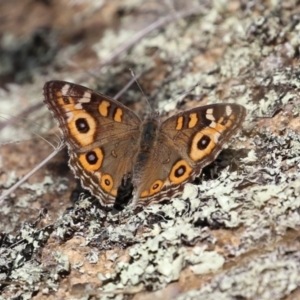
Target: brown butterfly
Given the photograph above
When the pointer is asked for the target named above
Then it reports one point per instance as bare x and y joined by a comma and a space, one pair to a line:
108, 142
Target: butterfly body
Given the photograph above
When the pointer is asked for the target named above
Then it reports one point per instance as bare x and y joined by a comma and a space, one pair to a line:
108, 143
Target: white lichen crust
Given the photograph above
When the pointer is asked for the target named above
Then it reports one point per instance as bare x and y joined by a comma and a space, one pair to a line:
234, 234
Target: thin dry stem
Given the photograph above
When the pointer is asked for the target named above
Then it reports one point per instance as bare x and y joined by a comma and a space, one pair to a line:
138, 36
36, 168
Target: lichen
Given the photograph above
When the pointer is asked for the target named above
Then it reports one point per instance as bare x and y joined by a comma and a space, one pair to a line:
237, 227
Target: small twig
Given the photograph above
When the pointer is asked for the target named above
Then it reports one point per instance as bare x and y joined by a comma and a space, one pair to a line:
21, 115
138, 36
36, 168
137, 83
14, 118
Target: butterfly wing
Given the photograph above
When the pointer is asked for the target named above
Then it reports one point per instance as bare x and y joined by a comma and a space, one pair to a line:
186, 143
101, 135
86, 117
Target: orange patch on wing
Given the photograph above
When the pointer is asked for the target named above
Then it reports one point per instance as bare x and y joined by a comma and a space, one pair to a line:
103, 108
193, 120
114, 192
118, 115
219, 127
107, 183
61, 102
222, 127
84, 139
154, 189
195, 153
179, 123
229, 122
180, 172
74, 113
144, 194
60, 98
221, 120
89, 166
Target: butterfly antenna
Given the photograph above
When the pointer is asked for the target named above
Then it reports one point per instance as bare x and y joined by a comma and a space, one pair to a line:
127, 86
135, 79
29, 122
183, 95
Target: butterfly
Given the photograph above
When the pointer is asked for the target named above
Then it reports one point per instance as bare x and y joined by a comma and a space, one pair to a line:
108, 142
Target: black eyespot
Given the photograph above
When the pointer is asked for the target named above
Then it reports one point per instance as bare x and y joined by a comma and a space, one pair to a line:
91, 158
203, 142
180, 171
155, 186
66, 100
224, 121
107, 182
82, 125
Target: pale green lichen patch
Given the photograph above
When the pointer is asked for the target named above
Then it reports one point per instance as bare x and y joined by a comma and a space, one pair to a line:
159, 253
17, 263
161, 258
63, 264
205, 261
269, 276
9, 180
235, 225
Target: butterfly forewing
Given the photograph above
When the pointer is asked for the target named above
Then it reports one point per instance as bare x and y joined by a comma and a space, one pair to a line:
88, 118
199, 134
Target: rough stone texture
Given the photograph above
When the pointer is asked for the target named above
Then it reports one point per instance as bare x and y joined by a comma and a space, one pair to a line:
234, 235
